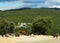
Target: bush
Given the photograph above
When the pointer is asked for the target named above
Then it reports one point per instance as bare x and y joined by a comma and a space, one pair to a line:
42, 25
6, 27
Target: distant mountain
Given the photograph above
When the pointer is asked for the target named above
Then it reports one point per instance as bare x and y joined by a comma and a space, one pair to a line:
55, 8
51, 8
24, 8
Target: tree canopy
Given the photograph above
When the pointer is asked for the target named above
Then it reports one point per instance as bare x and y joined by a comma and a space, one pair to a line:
41, 25
6, 27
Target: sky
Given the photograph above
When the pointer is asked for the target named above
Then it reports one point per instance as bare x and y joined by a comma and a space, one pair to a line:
13, 4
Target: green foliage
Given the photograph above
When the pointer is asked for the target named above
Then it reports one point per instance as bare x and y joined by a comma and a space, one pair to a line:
42, 25
11, 27
5, 27
28, 15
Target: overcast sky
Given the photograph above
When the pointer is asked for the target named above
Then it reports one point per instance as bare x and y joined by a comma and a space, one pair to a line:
12, 4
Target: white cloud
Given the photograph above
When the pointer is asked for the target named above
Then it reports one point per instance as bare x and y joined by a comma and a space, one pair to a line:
53, 0
10, 7
55, 6
52, 3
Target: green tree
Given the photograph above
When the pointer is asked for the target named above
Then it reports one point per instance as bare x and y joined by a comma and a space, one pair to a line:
11, 27
5, 27
42, 25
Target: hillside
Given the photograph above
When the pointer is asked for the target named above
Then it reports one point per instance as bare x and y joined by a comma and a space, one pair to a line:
29, 14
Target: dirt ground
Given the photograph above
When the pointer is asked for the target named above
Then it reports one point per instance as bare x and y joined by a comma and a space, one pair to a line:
30, 39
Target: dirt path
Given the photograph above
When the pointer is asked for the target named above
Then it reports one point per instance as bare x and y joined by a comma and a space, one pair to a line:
29, 39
